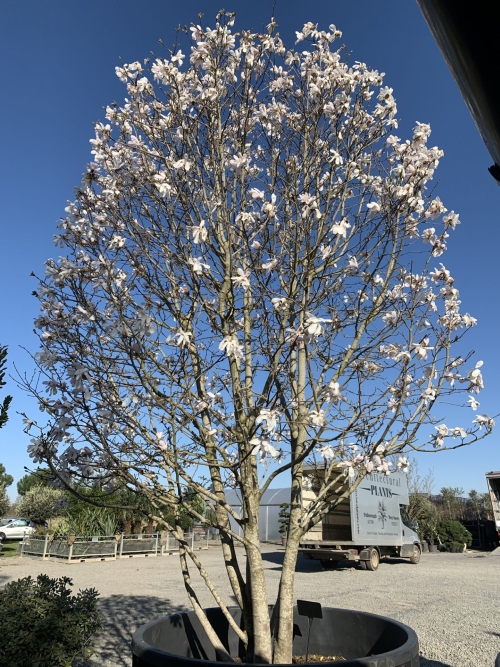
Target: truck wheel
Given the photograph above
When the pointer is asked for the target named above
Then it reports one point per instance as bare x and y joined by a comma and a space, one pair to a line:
374, 561
415, 557
362, 564
329, 564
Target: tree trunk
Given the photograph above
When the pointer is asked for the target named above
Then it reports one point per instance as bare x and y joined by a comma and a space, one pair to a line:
284, 613
137, 527
262, 648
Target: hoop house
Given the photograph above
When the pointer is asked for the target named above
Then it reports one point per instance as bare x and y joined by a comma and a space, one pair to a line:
269, 511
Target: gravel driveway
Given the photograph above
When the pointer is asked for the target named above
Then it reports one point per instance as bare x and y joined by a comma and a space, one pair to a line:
450, 600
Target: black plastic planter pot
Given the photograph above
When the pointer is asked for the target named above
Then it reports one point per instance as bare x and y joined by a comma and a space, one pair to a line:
365, 640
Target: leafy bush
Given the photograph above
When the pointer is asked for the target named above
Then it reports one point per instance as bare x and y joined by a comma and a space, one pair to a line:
284, 518
422, 510
41, 503
453, 531
43, 625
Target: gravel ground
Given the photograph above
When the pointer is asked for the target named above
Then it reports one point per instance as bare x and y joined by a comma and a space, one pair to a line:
450, 600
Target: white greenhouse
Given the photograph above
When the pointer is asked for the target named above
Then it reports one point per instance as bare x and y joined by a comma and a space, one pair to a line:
269, 511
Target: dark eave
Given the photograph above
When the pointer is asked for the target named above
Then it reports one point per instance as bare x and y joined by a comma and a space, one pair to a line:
468, 34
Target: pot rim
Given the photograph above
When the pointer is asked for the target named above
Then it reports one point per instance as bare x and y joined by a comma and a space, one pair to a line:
140, 646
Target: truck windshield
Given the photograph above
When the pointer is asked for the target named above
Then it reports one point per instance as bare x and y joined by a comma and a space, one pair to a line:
405, 518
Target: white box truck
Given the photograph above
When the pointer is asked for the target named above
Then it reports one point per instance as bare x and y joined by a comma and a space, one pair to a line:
493, 481
369, 524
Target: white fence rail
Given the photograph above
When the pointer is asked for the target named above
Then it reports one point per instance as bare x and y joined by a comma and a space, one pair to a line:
110, 547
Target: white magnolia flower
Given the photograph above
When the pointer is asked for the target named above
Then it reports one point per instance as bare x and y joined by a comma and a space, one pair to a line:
279, 302
197, 265
242, 279
403, 464
451, 220
458, 431
348, 469
441, 274
390, 317
374, 207
308, 202
182, 165
384, 467
264, 448
473, 403
255, 193
340, 228
161, 444
199, 233
314, 325
476, 378
368, 465
52, 387
333, 393
353, 263
442, 432
270, 417
469, 321
232, 347
317, 418
326, 452
484, 420
421, 349
238, 163
272, 264
183, 338
429, 394
178, 57
269, 208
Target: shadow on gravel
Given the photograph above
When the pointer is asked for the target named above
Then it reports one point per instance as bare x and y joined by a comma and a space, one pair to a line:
432, 663
303, 564
121, 616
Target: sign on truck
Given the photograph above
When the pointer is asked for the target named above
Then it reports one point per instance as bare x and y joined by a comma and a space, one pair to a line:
370, 523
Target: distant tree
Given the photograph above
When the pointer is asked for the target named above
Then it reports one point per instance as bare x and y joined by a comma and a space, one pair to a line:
39, 477
4, 501
4, 406
480, 504
452, 502
418, 483
41, 503
5, 479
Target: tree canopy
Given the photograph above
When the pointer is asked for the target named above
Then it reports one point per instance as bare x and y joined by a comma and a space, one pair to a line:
250, 285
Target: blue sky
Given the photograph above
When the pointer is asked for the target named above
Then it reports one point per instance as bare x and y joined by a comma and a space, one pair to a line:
57, 63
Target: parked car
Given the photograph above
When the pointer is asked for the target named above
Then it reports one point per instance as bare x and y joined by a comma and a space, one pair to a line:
5, 520
16, 529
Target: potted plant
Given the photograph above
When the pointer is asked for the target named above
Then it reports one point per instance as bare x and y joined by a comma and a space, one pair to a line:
241, 293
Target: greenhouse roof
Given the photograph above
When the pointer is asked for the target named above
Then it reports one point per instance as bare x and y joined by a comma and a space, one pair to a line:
270, 497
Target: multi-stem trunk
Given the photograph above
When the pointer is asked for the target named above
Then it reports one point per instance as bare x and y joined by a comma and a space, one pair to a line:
256, 588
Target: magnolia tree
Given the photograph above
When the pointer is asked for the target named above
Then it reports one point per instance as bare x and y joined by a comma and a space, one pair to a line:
250, 286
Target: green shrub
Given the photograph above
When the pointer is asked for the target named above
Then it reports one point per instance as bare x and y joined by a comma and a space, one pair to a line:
453, 531
284, 518
43, 625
